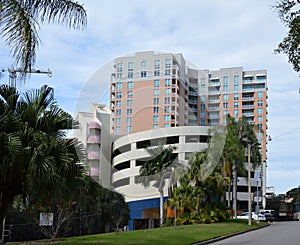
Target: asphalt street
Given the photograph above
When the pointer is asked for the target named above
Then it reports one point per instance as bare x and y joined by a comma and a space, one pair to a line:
278, 233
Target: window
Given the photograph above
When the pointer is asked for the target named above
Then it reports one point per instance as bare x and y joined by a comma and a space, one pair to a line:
129, 102
260, 94
202, 114
119, 75
259, 126
166, 118
156, 73
156, 92
202, 82
225, 87
118, 112
225, 112
167, 109
156, 101
119, 85
129, 111
202, 122
156, 64
130, 65
143, 63
236, 104
155, 126
129, 120
166, 125
236, 87
155, 118
119, 95
118, 103
167, 82
130, 74
119, 67
167, 91
236, 112
236, 96
130, 85
156, 83
143, 73
118, 120
225, 96
167, 100
225, 80
129, 128
259, 118
202, 107
168, 63
225, 105
236, 79
168, 72
129, 94
260, 110
260, 103
118, 129
259, 134
155, 109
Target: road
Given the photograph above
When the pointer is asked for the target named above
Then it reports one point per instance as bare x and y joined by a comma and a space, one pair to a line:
278, 233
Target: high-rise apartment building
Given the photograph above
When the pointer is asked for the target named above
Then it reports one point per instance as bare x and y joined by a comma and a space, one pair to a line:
149, 90
160, 97
152, 90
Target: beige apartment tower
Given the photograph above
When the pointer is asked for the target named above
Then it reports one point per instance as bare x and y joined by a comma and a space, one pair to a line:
152, 90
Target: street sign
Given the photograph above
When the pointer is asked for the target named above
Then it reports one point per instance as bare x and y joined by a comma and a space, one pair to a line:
46, 219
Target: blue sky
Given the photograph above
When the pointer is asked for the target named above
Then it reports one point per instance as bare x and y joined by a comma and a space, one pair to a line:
210, 34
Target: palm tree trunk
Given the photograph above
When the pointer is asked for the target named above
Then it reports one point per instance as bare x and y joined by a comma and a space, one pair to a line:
234, 191
229, 196
161, 210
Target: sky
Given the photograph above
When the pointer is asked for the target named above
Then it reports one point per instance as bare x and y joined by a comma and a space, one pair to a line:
211, 34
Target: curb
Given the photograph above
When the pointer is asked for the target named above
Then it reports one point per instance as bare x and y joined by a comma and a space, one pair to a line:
216, 239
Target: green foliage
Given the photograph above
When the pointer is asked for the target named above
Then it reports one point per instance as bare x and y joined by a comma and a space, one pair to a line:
288, 12
36, 161
210, 215
20, 22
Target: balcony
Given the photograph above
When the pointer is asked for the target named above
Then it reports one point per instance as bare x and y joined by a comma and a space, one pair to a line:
214, 84
214, 101
93, 139
213, 116
248, 114
93, 125
248, 98
193, 110
214, 108
213, 92
93, 155
195, 102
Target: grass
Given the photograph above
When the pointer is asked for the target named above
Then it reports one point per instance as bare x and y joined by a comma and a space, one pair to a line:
187, 234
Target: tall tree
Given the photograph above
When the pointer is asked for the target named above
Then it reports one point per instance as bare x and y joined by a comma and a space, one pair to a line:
289, 14
239, 134
37, 161
158, 169
20, 22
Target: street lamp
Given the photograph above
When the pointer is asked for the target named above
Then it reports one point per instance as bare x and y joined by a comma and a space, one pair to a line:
249, 183
249, 188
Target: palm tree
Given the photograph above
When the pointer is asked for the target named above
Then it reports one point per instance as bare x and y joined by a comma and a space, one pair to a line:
239, 134
20, 22
37, 161
158, 169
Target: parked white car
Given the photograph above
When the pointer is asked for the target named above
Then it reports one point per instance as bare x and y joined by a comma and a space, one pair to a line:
255, 216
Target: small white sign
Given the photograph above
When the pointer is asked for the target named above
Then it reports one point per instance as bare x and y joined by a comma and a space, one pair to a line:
46, 219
